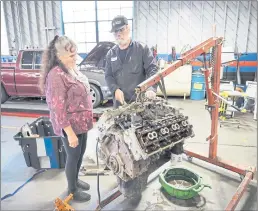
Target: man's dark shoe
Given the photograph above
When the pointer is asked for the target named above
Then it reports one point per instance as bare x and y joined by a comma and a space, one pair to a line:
80, 196
83, 185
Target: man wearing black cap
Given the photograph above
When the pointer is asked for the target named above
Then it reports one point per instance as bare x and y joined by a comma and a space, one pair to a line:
127, 64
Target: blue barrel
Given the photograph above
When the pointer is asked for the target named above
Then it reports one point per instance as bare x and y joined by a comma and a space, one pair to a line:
197, 87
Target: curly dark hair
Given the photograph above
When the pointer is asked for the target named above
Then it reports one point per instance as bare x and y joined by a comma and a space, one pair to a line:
50, 58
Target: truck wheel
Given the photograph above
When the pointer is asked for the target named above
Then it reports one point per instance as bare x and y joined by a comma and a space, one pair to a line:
4, 96
96, 95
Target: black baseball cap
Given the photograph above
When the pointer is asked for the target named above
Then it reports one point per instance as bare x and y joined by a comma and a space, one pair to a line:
119, 22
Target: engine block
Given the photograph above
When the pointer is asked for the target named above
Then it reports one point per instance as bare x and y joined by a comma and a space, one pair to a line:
134, 136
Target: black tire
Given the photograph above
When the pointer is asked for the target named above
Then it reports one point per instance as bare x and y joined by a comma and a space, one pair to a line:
4, 96
96, 95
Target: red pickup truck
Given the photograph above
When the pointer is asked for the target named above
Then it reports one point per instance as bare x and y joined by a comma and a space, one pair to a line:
20, 79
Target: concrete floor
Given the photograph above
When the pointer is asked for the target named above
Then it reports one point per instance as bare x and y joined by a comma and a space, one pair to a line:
238, 145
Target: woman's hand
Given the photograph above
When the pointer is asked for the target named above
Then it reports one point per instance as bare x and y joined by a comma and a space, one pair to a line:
73, 140
71, 136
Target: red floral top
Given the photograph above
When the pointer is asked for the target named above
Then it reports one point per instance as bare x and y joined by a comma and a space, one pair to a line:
68, 102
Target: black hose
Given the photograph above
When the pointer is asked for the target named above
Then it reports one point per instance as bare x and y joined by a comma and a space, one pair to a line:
98, 173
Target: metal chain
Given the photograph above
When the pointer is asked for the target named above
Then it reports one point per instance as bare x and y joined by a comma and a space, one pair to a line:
212, 65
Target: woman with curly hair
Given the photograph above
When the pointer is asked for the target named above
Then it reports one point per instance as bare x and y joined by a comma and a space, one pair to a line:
69, 101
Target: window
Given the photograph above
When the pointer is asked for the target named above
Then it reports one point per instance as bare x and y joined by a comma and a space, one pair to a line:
90, 46
90, 15
67, 7
106, 36
90, 27
27, 58
85, 47
107, 10
124, 4
127, 12
69, 30
81, 32
80, 21
38, 57
106, 4
83, 15
81, 47
91, 37
113, 13
80, 37
103, 14
114, 4
78, 11
79, 27
105, 26
104, 31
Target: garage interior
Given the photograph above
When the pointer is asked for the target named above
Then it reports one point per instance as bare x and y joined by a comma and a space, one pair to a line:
179, 33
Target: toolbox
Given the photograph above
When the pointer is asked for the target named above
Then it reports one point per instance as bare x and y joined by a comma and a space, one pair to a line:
41, 147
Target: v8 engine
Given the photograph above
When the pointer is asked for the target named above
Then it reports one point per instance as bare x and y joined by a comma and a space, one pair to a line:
135, 137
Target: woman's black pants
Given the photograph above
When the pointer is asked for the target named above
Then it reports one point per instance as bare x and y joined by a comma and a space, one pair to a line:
74, 158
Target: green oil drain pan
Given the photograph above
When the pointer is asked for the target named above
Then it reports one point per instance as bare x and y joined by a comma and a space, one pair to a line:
181, 183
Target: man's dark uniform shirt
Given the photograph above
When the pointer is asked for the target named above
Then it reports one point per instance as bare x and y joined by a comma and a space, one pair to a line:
125, 69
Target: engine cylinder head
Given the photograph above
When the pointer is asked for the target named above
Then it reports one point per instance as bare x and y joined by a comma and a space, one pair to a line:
155, 135
166, 130
173, 126
150, 136
177, 126
162, 131
185, 123
132, 137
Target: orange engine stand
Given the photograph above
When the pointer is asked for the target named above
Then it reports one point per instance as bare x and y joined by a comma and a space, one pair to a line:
212, 85
247, 172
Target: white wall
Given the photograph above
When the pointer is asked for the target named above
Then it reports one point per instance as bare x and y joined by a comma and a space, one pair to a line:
31, 23
4, 40
181, 23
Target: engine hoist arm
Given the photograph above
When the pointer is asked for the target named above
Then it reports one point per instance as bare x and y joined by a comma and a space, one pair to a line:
184, 59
